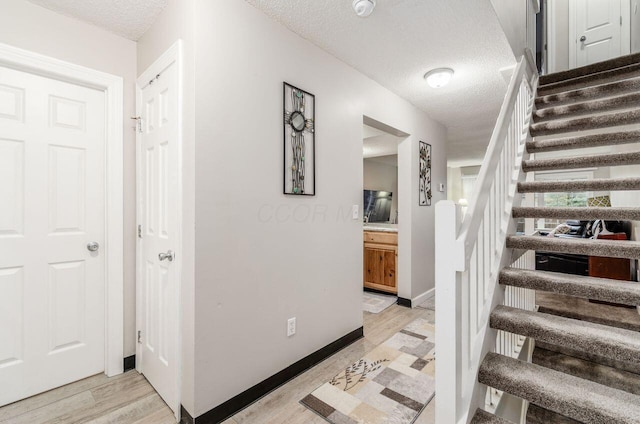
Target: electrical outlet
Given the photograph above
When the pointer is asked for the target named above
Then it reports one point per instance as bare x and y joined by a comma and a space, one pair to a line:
291, 326
355, 211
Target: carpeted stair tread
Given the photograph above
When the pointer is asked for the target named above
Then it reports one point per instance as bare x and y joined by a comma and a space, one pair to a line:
598, 373
589, 80
596, 140
578, 246
590, 356
573, 397
614, 343
614, 159
585, 214
560, 126
581, 71
484, 417
590, 93
573, 285
623, 101
537, 415
601, 319
596, 184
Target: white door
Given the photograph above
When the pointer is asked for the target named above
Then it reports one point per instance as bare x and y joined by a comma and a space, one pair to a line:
598, 31
159, 159
52, 190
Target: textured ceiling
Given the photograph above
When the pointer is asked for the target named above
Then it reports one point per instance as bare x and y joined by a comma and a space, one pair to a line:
127, 18
402, 40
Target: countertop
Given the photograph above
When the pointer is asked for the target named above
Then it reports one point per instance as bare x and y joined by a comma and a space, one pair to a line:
385, 228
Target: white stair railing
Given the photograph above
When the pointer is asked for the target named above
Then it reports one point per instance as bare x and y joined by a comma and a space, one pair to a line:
471, 253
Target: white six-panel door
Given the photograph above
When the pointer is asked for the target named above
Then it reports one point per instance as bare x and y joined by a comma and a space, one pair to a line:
159, 203
52, 191
598, 31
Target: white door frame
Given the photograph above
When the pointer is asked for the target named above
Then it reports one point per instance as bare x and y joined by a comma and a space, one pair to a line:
23, 60
625, 31
172, 55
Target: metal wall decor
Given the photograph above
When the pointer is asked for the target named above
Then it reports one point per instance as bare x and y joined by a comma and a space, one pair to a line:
425, 174
299, 141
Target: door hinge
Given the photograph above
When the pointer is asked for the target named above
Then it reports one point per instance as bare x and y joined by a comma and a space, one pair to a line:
620, 20
139, 231
138, 120
139, 336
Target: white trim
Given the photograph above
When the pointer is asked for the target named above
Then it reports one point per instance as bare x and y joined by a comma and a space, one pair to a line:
573, 41
173, 55
112, 86
421, 298
550, 24
625, 28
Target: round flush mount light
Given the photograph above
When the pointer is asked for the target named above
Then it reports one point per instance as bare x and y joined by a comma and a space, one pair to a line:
364, 8
440, 77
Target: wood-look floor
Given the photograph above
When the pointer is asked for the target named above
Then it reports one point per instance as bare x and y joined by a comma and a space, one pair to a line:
129, 398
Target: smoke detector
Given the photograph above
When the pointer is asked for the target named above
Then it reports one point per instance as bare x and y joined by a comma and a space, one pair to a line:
364, 8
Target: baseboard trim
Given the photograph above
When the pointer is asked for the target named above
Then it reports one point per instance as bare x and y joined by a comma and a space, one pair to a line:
404, 302
423, 297
249, 396
185, 417
129, 363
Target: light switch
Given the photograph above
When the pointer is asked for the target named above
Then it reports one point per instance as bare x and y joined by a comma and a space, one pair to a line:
354, 211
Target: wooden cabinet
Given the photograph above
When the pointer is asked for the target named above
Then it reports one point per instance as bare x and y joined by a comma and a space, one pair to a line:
381, 261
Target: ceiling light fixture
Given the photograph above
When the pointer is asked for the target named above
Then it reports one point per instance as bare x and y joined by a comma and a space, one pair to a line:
364, 8
440, 77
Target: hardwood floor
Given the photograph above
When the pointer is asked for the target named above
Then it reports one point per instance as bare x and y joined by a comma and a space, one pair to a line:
129, 398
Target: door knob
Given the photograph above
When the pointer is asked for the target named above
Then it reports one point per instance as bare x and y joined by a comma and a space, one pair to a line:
583, 38
93, 246
169, 256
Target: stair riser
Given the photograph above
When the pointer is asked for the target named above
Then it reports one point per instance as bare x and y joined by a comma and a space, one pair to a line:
609, 342
601, 374
585, 214
579, 186
576, 286
627, 72
580, 109
581, 400
599, 67
592, 93
569, 143
622, 249
582, 162
582, 124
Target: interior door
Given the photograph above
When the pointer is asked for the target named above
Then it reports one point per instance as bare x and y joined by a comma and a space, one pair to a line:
598, 30
52, 232
158, 105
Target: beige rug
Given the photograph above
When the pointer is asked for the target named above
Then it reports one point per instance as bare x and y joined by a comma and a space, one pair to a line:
376, 303
391, 384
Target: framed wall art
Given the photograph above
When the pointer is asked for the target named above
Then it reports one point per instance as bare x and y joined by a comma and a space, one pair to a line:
299, 141
425, 174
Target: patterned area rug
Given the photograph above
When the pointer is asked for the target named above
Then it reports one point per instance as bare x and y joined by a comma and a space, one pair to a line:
376, 303
391, 384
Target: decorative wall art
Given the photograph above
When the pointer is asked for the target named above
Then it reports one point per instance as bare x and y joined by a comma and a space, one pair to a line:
299, 142
425, 174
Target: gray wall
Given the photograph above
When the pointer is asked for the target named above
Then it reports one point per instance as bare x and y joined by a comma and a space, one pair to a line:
512, 15
256, 267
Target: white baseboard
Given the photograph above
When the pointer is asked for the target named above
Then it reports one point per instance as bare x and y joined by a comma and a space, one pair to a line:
423, 297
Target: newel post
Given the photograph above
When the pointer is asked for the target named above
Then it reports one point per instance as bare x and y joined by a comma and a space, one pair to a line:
449, 403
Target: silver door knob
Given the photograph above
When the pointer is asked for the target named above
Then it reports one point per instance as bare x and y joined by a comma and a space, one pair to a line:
169, 256
93, 246
583, 38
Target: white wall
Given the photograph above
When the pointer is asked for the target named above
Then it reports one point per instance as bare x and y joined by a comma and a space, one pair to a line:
512, 15
261, 256
379, 175
30, 27
176, 22
558, 34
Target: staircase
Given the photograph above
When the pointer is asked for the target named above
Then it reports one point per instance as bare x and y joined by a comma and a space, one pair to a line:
581, 371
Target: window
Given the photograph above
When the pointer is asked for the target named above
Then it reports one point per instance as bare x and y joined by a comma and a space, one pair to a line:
561, 199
